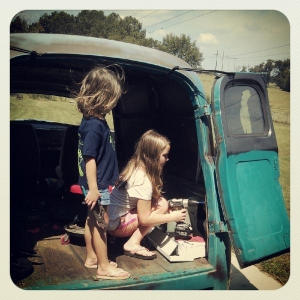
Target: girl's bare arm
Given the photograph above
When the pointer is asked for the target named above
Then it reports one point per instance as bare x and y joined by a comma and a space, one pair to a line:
91, 174
147, 217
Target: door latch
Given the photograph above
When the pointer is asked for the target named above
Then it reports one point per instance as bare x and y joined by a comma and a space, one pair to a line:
276, 168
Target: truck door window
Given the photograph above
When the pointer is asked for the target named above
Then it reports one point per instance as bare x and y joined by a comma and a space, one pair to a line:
243, 109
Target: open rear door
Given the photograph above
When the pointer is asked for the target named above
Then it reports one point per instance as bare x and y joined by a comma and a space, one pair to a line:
248, 168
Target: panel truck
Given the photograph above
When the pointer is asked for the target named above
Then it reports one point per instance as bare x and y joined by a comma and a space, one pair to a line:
223, 166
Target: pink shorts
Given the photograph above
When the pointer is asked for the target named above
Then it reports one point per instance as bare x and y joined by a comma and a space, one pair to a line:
128, 225
129, 222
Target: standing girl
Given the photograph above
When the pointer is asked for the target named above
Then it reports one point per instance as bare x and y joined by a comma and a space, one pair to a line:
97, 163
136, 202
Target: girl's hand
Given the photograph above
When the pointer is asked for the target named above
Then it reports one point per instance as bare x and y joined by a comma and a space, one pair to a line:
92, 198
179, 215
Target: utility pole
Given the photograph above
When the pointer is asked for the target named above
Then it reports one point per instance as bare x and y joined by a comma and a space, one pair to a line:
216, 60
222, 61
233, 61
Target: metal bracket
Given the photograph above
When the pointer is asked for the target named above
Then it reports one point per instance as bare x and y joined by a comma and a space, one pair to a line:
219, 139
205, 110
214, 227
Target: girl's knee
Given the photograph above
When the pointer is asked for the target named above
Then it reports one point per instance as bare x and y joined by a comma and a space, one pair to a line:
162, 205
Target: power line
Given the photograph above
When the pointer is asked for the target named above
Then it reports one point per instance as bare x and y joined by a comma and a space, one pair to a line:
168, 19
187, 20
264, 55
264, 49
190, 19
136, 13
243, 58
148, 15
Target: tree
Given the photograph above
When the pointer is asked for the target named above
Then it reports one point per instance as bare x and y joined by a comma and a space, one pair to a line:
281, 74
257, 69
244, 69
150, 43
90, 23
57, 22
94, 23
268, 68
18, 25
277, 72
36, 28
127, 30
183, 48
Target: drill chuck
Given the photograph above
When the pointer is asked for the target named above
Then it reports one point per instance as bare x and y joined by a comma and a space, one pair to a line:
182, 203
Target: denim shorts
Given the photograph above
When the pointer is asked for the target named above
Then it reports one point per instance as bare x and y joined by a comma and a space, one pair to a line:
105, 197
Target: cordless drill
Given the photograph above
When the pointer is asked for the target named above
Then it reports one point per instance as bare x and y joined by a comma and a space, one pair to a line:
183, 229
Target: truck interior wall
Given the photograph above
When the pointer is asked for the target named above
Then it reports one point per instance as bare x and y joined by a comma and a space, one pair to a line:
166, 107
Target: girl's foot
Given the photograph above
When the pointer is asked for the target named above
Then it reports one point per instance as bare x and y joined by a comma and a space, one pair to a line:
95, 265
139, 251
115, 273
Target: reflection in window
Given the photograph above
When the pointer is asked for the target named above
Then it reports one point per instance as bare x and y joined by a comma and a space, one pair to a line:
243, 110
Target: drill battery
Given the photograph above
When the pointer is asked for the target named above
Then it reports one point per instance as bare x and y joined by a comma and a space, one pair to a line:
182, 229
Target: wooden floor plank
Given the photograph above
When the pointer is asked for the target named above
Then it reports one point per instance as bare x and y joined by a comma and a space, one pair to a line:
57, 264
61, 265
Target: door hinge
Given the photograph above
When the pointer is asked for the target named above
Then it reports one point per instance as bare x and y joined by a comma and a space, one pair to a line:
219, 139
214, 227
204, 110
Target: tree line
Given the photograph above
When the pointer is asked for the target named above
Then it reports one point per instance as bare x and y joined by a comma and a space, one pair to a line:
95, 24
278, 72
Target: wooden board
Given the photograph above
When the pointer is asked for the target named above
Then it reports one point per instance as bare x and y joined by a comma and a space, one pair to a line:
57, 264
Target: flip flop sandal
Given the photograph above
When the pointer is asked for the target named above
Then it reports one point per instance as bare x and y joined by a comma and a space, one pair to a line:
112, 263
115, 276
134, 253
98, 212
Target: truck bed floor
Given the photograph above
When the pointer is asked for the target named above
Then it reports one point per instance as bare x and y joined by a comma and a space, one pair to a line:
58, 266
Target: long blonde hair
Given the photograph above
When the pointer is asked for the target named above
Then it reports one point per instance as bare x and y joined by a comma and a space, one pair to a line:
100, 90
147, 157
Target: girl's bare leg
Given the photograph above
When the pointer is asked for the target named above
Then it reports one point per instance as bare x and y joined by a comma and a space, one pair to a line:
159, 207
91, 257
99, 246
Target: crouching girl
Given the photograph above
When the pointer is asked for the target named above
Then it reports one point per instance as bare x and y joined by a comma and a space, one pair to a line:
136, 201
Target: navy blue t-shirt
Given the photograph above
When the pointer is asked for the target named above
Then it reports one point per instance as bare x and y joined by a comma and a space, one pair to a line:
94, 140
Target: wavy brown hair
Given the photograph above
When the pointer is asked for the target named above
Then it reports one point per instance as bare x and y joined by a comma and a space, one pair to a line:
100, 90
147, 156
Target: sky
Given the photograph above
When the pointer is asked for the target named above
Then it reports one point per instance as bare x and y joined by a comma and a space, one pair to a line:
228, 39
